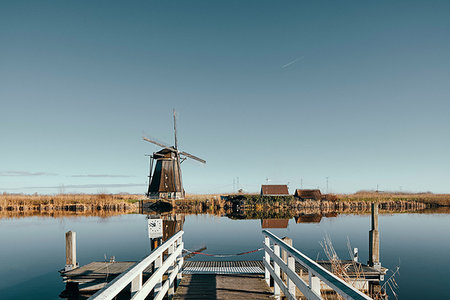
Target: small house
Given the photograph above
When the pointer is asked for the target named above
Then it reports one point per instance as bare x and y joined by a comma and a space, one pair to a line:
274, 190
308, 194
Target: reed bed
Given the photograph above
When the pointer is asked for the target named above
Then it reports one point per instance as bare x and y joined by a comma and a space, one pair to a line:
77, 202
6, 214
428, 198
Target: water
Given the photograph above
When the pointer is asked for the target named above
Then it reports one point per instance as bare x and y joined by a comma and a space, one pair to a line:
32, 249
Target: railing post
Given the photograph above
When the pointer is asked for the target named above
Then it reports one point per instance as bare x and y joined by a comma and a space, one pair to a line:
136, 284
314, 282
284, 256
267, 259
276, 287
158, 264
290, 283
180, 261
171, 290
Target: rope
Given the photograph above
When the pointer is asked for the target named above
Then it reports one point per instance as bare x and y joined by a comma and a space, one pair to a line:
223, 255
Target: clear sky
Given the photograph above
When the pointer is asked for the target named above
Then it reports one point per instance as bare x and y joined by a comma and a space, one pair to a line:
294, 91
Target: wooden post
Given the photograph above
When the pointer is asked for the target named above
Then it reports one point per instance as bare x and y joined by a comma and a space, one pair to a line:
158, 263
71, 251
136, 284
314, 283
284, 256
355, 254
276, 287
374, 240
154, 243
290, 283
171, 290
267, 260
180, 261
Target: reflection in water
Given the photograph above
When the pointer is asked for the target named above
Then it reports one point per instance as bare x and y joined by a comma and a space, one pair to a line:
406, 242
59, 213
274, 223
364, 277
308, 218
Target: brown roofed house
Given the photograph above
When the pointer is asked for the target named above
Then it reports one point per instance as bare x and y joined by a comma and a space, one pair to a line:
308, 194
274, 190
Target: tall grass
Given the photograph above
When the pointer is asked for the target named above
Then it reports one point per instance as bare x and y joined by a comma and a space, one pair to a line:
429, 198
13, 200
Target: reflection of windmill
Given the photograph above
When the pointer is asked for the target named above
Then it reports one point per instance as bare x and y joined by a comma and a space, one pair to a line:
165, 180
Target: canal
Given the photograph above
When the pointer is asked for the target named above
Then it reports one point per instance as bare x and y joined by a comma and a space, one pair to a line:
32, 248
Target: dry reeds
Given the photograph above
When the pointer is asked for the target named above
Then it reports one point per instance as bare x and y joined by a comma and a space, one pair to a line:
67, 202
428, 198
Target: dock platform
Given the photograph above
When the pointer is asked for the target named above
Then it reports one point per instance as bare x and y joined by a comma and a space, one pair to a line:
223, 286
202, 279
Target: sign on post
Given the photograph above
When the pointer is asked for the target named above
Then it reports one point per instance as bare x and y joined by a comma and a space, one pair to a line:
155, 228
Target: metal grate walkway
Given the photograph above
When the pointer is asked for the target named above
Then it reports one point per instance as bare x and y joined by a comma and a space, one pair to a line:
223, 267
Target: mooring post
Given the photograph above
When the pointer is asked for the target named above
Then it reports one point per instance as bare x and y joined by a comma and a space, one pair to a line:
71, 251
374, 240
355, 254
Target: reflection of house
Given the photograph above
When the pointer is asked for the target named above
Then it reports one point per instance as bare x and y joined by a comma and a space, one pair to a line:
274, 190
312, 218
331, 214
308, 194
274, 223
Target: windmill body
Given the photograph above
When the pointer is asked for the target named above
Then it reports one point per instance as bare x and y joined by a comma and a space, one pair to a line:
165, 181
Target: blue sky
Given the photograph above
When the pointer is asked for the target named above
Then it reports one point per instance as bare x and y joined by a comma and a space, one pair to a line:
294, 91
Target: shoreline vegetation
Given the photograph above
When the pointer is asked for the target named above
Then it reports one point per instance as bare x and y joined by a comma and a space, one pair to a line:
68, 204
231, 204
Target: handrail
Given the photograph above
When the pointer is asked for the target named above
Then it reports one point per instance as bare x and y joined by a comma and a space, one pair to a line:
316, 273
133, 275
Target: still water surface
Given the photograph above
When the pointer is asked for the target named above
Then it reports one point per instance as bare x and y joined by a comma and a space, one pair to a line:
32, 249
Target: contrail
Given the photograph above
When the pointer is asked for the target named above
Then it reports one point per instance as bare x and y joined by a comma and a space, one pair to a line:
292, 62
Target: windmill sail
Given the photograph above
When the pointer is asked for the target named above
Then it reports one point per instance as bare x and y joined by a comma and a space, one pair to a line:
193, 157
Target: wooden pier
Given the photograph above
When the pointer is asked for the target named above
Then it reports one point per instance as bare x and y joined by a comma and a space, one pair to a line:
223, 286
284, 271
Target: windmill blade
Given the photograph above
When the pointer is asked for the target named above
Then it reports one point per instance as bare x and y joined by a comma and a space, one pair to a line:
193, 157
158, 143
175, 128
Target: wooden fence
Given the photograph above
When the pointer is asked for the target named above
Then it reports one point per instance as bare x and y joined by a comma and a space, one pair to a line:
171, 265
316, 273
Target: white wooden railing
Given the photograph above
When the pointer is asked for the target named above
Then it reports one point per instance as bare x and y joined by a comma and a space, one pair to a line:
316, 273
171, 265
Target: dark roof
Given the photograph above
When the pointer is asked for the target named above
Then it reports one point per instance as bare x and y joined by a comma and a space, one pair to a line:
274, 223
308, 194
274, 189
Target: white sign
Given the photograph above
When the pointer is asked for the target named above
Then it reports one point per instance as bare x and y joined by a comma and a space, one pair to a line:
155, 228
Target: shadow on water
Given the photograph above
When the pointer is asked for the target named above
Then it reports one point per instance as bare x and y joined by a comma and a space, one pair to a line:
34, 288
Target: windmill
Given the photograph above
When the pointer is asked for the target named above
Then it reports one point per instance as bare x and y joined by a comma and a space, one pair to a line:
165, 179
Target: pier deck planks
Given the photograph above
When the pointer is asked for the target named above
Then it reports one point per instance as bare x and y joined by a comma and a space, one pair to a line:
223, 286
